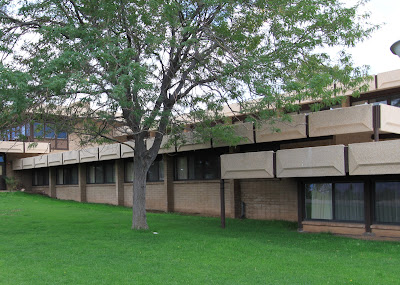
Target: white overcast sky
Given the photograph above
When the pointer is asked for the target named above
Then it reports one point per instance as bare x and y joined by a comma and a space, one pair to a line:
375, 51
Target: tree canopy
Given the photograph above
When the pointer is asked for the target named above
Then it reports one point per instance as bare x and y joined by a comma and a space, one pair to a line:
157, 65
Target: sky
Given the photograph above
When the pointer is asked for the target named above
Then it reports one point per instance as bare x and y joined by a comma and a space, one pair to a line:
375, 51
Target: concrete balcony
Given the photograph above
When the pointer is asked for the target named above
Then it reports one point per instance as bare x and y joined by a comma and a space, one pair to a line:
247, 165
349, 120
311, 162
374, 158
295, 129
191, 143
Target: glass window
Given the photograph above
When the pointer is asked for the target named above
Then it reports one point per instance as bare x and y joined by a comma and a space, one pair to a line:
349, 201
156, 170
100, 172
128, 171
49, 132
1, 158
60, 176
319, 201
395, 102
38, 130
335, 201
387, 202
109, 173
62, 135
91, 174
181, 168
197, 166
40, 177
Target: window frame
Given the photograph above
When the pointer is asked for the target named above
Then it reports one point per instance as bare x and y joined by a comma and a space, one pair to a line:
102, 165
196, 155
159, 160
64, 169
45, 178
333, 182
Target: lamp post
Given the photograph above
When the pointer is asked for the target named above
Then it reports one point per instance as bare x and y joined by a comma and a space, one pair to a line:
395, 48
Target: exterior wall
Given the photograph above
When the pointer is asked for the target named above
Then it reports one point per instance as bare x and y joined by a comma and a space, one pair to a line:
201, 197
68, 192
156, 196
333, 227
101, 193
268, 199
41, 190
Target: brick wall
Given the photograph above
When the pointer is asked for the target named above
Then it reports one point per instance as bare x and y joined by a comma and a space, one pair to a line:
41, 190
270, 199
101, 193
156, 196
201, 197
68, 192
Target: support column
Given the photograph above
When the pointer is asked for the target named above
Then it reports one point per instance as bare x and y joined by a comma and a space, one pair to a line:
52, 182
82, 182
119, 181
169, 182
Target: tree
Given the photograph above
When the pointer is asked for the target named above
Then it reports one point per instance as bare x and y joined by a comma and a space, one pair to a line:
154, 60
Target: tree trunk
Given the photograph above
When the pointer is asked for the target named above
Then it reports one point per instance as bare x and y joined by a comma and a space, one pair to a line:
139, 221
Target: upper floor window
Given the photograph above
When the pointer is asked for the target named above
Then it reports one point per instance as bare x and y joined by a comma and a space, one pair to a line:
100, 172
47, 130
197, 166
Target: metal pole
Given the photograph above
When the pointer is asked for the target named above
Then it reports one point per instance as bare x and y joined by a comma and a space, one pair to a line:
222, 195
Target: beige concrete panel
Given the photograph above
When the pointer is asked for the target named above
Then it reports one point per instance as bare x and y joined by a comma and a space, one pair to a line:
247, 165
11, 147
163, 148
17, 164
55, 159
28, 163
374, 158
127, 151
311, 162
243, 130
110, 151
389, 79
295, 129
40, 161
37, 147
390, 119
71, 157
192, 144
89, 154
356, 119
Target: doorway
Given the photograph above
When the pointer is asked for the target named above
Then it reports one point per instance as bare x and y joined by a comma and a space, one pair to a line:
2, 172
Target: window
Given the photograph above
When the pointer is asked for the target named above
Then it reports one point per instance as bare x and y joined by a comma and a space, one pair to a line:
335, 201
156, 170
40, 177
197, 166
155, 173
100, 173
387, 202
67, 175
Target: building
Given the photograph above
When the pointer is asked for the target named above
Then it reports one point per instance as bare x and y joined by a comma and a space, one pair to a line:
335, 170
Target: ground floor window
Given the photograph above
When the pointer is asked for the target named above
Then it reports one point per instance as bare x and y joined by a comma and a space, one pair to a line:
100, 172
334, 201
387, 202
40, 177
155, 173
197, 166
67, 175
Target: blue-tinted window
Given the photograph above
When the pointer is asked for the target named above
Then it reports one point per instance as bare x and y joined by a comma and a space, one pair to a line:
37, 130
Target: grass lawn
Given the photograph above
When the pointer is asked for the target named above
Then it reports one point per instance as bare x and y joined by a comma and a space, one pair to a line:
45, 241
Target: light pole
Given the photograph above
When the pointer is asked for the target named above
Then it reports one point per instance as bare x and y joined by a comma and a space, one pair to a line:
395, 48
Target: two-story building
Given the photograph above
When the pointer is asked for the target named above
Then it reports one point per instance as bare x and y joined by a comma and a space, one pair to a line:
335, 170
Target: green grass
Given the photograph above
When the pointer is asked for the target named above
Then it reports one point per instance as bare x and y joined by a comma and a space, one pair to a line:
45, 241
